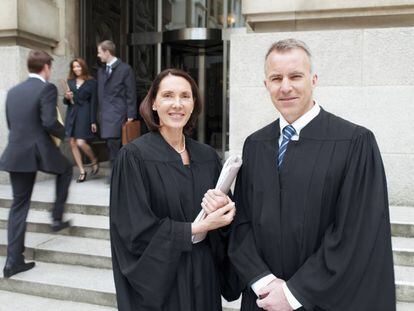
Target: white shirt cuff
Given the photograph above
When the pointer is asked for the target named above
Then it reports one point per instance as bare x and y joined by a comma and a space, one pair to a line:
262, 283
294, 303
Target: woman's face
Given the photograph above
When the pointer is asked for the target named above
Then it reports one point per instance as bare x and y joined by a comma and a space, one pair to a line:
174, 102
77, 69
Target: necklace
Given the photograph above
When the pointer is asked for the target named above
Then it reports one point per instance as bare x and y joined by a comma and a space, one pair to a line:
182, 150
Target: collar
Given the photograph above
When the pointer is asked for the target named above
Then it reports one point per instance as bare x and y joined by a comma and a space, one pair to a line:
300, 123
112, 61
37, 76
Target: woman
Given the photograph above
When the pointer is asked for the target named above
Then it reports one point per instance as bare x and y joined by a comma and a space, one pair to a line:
80, 123
158, 183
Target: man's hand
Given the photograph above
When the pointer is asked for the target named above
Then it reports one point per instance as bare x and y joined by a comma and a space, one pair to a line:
69, 95
214, 199
273, 297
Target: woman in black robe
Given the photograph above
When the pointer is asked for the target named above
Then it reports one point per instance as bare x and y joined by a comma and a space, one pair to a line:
158, 183
80, 122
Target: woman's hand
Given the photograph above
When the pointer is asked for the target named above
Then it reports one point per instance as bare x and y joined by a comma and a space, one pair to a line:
94, 128
217, 219
213, 200
69, 95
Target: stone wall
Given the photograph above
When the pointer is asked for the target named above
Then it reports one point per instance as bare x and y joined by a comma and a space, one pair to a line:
365, 76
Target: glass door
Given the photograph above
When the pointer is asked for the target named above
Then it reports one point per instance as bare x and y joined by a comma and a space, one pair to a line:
205, 65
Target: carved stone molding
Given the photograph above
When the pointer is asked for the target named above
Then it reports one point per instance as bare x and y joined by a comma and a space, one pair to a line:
33, 23
268, 15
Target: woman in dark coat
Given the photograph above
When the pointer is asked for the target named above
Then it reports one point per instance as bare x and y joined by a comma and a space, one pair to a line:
158, 183
80, 123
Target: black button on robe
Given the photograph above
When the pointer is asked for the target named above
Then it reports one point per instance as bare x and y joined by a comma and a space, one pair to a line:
321, 222
156, 267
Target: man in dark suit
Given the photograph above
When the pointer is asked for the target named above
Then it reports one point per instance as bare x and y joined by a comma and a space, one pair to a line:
32, 120
116, 96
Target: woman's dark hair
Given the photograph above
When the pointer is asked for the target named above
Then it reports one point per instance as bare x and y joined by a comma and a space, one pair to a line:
151, 117
85, 71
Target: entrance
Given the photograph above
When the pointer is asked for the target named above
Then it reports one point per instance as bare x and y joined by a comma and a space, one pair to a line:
203, 61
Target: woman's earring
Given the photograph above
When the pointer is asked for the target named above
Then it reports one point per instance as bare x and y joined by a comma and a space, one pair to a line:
153, 108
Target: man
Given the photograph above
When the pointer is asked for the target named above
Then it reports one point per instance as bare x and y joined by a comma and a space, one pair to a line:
116, 96
32, 119
312, 227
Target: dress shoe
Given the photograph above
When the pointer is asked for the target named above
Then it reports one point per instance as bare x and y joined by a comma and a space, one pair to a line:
58, 225
95, 167
8, 271
82, 177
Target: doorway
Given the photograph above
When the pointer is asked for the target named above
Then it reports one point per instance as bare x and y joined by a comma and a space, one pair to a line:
203, 61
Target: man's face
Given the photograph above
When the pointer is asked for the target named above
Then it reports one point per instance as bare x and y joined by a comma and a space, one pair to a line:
290, 82
103, 55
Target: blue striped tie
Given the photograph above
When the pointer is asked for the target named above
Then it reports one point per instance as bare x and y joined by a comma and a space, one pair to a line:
288, 132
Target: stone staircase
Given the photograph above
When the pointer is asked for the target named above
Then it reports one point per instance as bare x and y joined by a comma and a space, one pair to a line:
73, 267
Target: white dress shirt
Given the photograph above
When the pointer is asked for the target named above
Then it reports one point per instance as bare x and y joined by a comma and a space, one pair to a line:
298, 125
35, 75
109, 64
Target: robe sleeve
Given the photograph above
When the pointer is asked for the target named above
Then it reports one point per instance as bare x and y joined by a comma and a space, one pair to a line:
242, 247
147, 249
353, 267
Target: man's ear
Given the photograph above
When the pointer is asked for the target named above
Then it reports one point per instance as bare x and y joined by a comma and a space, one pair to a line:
314, 80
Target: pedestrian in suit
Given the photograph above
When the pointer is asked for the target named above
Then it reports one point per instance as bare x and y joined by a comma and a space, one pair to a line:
32, 120
80, 123
116, 96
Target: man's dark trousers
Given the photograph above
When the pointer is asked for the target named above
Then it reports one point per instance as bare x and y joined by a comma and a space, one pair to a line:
22, 186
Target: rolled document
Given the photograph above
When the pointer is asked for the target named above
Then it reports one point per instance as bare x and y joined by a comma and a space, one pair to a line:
227, 176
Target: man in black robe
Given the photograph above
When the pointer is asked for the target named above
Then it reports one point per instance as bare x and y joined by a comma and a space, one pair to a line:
312, 228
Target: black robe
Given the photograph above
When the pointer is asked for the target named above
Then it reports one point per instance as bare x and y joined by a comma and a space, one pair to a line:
321, 222
152, 206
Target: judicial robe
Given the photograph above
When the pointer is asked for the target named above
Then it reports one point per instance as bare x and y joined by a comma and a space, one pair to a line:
154, 199
320, 222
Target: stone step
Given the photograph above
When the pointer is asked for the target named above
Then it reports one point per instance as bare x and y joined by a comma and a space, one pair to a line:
405, 306
403, 251
402, 221
88, 226
77, 208
235, 306
65, 282
10, 301
61, 249
404, 283
96, 286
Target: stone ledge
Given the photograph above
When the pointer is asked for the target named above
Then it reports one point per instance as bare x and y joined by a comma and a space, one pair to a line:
299, 15
34, 23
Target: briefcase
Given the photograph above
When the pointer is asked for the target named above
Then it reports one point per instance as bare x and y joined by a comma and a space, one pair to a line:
130, 131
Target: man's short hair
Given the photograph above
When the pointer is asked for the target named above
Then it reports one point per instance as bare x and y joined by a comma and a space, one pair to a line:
109, 46
37, 59
290, 44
